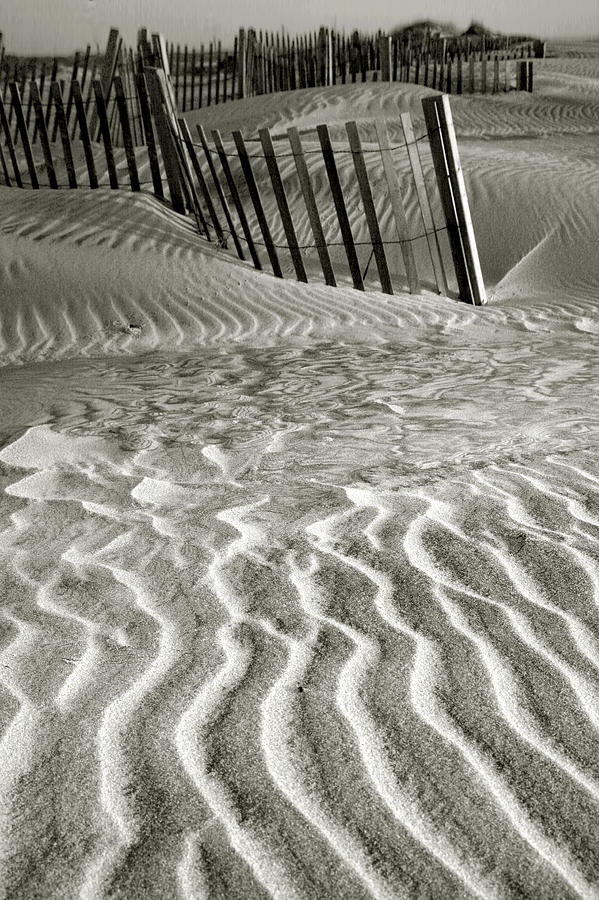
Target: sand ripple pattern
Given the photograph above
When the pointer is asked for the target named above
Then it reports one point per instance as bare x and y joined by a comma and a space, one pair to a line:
295, 624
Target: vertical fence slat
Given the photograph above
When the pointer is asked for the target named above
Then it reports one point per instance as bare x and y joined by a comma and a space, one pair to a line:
38, 110
311, 206
346, 233
219, 191
61, 119
442, 105
5, 172
202, 182
106, 75
218, 143
9, 143
126, 132
397, 206
283, 206
102, 117
424, 203
142, 91
368, 201
442, 173
256, 202
81, 120
165, 138
22, 127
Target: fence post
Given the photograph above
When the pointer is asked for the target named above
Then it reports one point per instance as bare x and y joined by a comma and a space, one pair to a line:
450, 178
142, 92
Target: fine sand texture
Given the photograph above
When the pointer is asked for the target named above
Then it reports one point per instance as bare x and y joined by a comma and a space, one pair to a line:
300, 585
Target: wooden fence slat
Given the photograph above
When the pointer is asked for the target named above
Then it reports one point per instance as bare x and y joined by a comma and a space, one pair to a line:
462, 207
185, 60
397, 205
346, 233
218, 143
102, 117
61, 119
74, 73
193, 78
81, 121
107, 71
142, 92
453, 229
38, 110
219, 191
9, 143
203, 186
165, 138
368, 201
22, 127
167, 114
283, 206
210, 60
126, 131
256, 202
311, 206
5, 172
424, 203
30, 98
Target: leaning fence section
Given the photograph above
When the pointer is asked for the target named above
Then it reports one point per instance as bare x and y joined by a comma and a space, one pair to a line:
379, 205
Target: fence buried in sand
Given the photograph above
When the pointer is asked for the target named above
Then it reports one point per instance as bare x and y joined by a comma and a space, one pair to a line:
124, 129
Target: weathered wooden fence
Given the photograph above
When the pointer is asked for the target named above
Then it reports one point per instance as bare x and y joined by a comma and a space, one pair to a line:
265, 62
390, 214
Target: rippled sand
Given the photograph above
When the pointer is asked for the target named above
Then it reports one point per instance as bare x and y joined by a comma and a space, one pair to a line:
300, 586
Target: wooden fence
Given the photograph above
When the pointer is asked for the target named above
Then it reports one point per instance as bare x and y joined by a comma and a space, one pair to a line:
264, 63
391, 215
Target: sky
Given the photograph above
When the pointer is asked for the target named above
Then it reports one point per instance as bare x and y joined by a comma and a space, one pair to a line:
60, 26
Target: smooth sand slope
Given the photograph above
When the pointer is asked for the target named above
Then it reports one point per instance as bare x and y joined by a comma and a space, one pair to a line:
300, 586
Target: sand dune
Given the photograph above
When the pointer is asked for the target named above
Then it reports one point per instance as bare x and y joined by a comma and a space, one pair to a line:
300, 585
